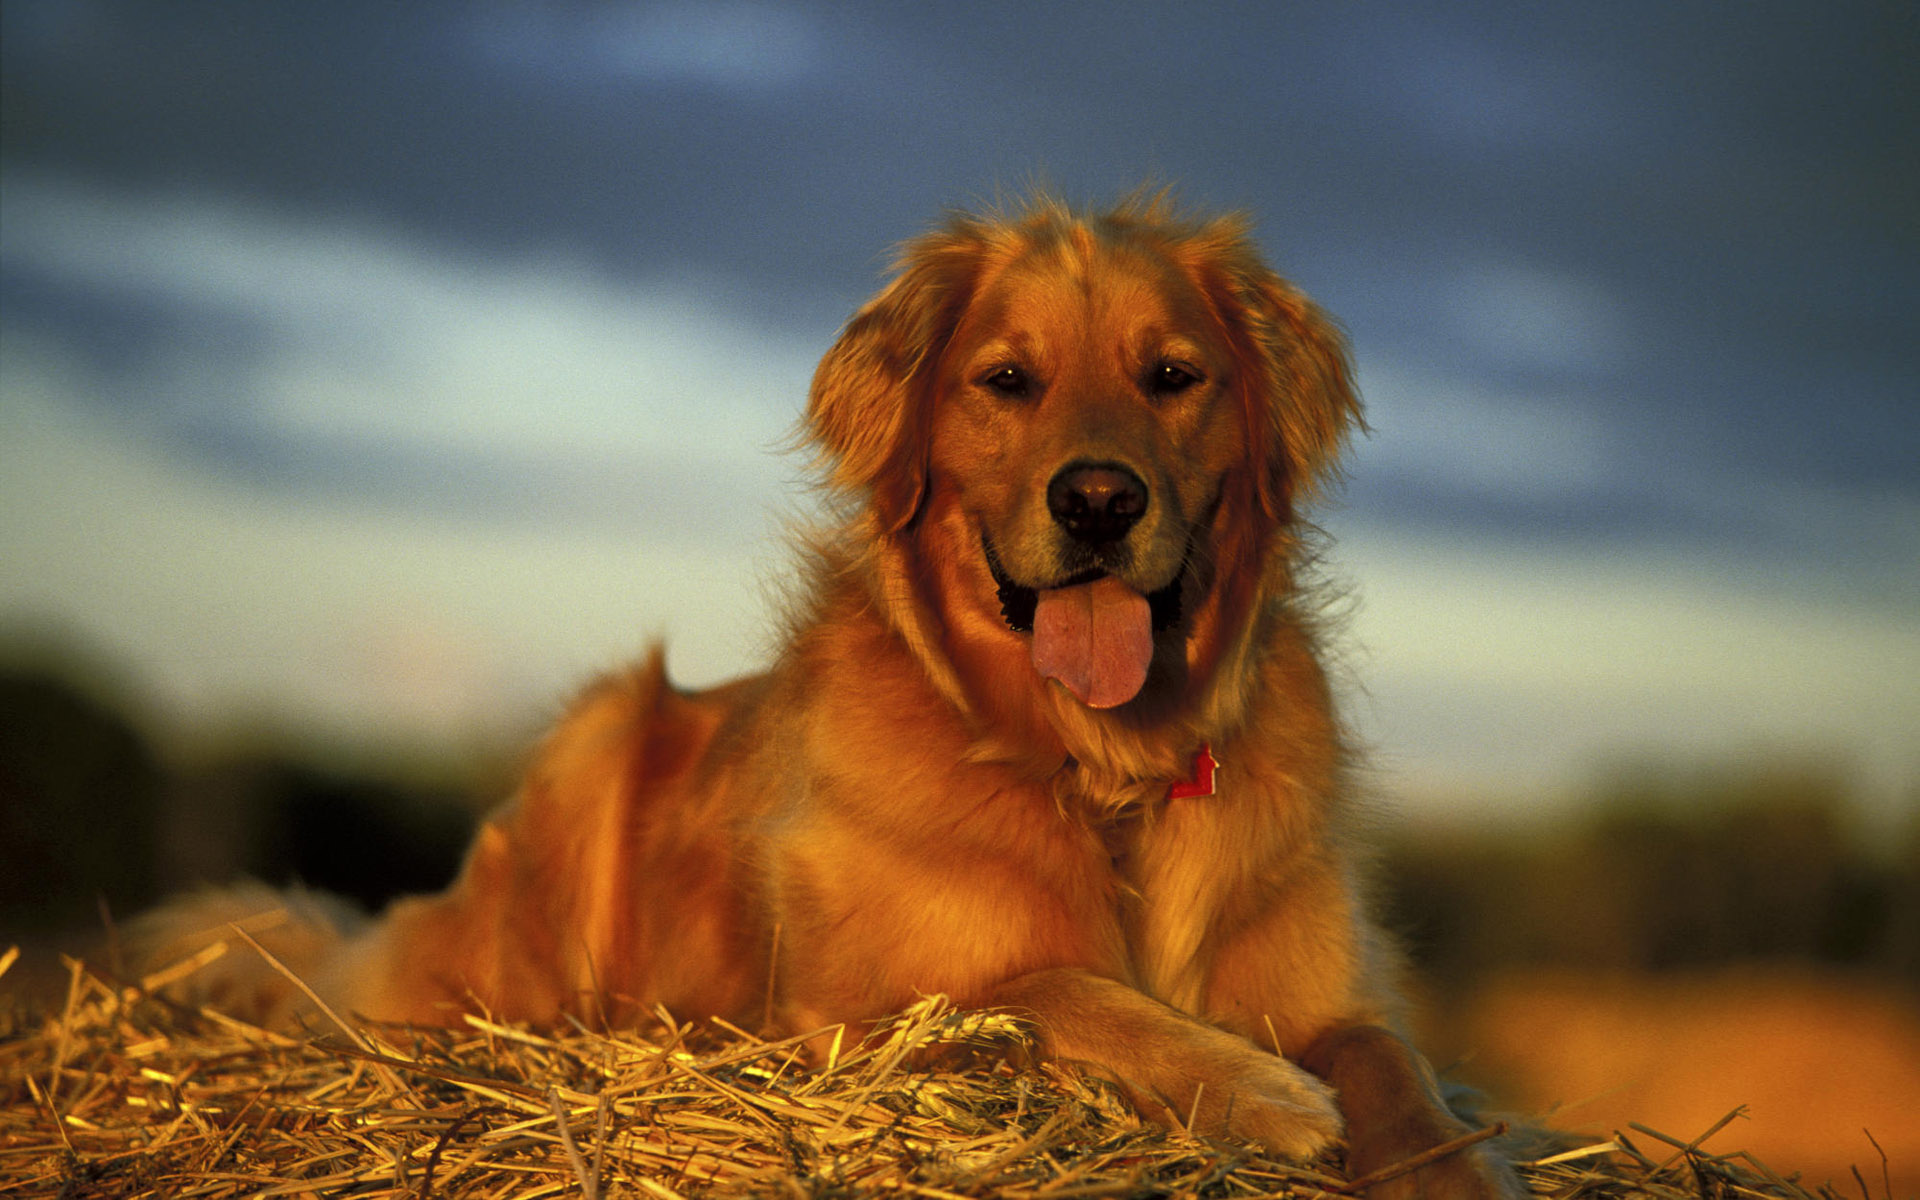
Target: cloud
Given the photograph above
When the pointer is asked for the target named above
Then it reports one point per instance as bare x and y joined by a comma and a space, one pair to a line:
734, 44
1446, 430
1519, 314
322, 473
306, 351
1504, 669
1471, 90
226, 602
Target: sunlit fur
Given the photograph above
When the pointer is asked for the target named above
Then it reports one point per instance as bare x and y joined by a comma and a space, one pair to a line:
903, 806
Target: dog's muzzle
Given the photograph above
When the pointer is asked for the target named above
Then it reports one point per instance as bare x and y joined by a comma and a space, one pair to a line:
1018, 602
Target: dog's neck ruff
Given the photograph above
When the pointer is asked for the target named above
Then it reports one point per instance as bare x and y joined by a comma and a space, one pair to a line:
1126, 800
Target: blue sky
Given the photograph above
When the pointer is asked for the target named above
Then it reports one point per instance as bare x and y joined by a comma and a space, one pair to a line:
383, 370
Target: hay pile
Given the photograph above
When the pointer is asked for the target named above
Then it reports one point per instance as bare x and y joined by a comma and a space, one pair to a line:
121, 1094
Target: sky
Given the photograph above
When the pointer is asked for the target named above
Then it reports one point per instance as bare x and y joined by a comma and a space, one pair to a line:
384, 371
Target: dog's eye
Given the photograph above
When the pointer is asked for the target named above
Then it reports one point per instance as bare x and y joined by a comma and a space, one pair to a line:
1010, 382
1168, 379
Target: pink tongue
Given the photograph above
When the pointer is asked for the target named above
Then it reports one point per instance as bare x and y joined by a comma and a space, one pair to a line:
1097, 638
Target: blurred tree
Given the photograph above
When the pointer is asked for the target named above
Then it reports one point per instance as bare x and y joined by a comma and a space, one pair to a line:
356, 834
90, 812
79, 790
1667, 870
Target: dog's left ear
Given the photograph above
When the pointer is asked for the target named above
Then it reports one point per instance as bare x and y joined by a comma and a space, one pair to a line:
1301, 403
867, 410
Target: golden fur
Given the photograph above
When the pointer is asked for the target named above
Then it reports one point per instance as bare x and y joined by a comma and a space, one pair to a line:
905, 804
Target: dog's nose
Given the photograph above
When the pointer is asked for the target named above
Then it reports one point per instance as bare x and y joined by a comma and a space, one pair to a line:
1097, 503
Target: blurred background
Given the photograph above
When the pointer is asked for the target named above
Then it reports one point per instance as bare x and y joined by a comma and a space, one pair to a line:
370, 375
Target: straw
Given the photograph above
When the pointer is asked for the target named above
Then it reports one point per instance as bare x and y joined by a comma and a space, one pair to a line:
123, 1094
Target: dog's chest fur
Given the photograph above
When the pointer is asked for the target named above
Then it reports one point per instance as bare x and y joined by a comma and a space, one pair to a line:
1165, 892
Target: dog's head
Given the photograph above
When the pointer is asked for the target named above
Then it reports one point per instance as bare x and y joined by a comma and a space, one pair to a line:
1088, 430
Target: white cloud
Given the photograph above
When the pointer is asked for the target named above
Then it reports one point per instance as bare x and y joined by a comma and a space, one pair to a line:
228, 604
1446, 430
372, 336
357, 614
1507, 668
739, 44
1521, 314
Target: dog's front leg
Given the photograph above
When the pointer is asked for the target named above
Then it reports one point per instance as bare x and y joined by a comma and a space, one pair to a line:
1173, 1067
1394, 1112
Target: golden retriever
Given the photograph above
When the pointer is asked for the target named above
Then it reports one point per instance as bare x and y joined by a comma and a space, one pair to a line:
1049, 731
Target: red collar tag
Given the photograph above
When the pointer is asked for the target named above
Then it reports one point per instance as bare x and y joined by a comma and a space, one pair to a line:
1204, 765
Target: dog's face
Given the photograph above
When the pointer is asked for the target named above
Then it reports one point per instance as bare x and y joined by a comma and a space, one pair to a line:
1084, 426
1089, 431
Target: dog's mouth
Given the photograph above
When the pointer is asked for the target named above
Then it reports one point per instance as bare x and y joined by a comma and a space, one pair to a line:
1091, 631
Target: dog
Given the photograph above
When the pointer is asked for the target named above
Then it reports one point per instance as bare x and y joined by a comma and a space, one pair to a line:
1049, 731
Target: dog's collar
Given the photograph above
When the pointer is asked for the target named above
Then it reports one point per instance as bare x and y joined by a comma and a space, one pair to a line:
1202, 781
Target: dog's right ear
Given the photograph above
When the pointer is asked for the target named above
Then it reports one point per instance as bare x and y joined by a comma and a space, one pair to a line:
867, 411
1311, 405
1301, 404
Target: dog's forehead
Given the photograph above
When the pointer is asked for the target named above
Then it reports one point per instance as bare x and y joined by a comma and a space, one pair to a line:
1064, 288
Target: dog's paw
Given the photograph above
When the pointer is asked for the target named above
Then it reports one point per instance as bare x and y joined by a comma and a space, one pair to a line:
1230, 1088
1283, 1108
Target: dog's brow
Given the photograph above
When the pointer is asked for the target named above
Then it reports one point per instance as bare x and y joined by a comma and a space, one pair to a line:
1021, 348
1177, 345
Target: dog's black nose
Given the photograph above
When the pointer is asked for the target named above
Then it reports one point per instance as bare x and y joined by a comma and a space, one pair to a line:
1097, 503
